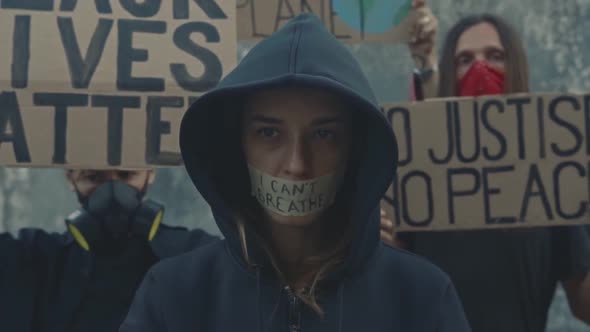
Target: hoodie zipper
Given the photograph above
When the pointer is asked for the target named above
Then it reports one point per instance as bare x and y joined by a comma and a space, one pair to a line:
294, 311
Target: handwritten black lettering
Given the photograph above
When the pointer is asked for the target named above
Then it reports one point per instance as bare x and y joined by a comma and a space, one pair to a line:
21, 51
156, 128
407, 134
485, 108
38, 5
489, 191
115, 106
102, 6
520, 102
556, 105
126, 55
82, 68
209, 7
583, 206
60, 102
213, 67
429, 199
450, 139
10, 115
460, 138
452, 173
534, 181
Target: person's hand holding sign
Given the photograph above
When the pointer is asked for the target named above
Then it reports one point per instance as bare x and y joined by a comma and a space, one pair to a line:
386, 230
423, 35
422, 45
388, 235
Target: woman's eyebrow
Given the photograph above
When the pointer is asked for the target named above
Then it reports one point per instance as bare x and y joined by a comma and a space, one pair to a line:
327, 120
493, 49
463, 53
264, 119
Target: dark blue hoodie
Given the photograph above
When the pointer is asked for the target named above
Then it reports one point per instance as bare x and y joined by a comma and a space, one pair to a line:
376, 288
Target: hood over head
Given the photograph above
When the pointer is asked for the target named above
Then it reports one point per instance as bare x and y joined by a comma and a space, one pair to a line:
305, 54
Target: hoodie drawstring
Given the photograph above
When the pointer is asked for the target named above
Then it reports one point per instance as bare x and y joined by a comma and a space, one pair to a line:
261, 322
341, 305
259, 300
340, 295
274, 310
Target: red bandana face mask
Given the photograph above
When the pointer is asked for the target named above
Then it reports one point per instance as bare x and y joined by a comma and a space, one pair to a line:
481, 80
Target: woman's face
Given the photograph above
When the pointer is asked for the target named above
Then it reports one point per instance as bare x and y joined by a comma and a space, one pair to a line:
481, 42
296, 134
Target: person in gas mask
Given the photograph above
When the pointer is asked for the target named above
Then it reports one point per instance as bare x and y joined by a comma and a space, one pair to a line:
113, 210
85, 279
515, 270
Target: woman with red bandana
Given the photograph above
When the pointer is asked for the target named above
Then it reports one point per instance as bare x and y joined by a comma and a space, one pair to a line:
483, 55
506, 279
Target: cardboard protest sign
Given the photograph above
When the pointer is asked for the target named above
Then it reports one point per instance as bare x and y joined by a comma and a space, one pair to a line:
494, 162
104, 83
351, 21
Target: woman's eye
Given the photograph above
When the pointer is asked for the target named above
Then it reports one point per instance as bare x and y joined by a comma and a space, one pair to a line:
324, 134
464, 60
497, 56
267, 132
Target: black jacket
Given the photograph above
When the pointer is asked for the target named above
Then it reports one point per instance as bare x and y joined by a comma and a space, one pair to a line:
43, 276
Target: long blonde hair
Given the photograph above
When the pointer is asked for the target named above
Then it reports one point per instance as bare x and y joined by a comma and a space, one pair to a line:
319, 265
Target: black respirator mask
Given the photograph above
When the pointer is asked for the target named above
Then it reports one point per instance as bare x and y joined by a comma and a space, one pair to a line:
114, 212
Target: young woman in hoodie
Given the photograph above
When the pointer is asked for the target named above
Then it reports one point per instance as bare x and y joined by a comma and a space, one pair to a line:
293, 155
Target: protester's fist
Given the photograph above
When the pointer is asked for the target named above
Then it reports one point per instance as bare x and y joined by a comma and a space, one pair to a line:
423, 35
386, 229
387, 232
